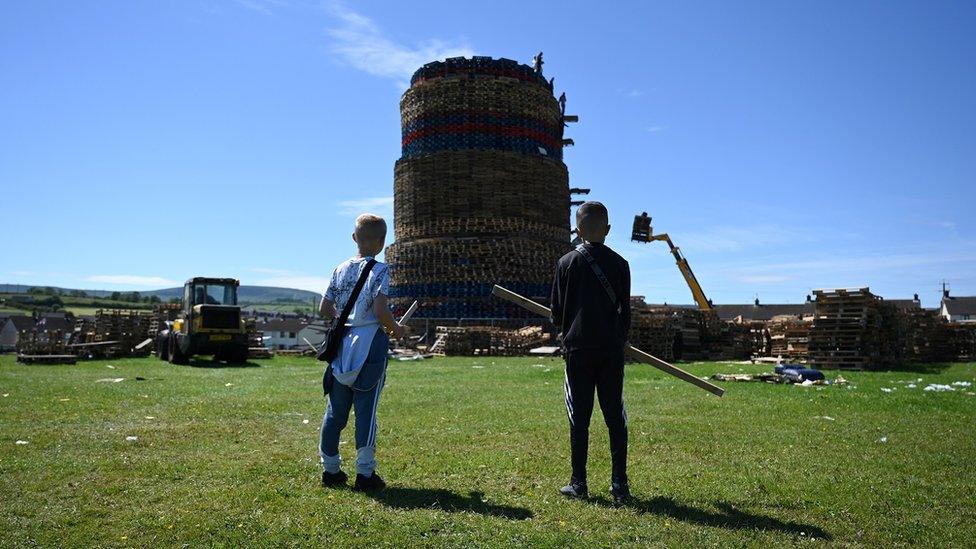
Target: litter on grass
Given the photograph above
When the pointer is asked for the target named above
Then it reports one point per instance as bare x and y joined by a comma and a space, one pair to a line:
228, 384
5, 395
939, 387
110, 380
21, 442
828, 418
305, 421
911, 386
883, 440
131, 438
110, 367
887, 389
150, 417
961, 383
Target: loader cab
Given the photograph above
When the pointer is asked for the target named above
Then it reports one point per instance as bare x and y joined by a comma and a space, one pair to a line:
209, 291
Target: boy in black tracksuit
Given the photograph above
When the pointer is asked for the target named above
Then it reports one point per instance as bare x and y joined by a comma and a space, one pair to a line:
593, 316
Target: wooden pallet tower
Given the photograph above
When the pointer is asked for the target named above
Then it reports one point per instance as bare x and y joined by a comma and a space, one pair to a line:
481, 195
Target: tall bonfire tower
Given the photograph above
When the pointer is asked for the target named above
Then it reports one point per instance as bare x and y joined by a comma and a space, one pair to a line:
481, 195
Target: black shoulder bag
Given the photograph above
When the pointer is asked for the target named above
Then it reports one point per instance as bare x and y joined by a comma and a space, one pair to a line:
599, 274
333, 340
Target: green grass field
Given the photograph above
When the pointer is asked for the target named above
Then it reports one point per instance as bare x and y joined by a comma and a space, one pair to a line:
474, 450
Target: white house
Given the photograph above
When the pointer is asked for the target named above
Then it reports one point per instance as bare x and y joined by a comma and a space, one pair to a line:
281, 333
959, 309
11, 329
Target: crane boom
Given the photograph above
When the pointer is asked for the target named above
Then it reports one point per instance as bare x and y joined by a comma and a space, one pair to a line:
685, 268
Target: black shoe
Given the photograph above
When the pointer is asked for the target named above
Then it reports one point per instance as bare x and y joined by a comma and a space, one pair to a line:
620, 491
334, 479
369, 484
575, 489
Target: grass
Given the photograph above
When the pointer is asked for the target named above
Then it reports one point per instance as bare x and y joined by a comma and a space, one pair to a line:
474, 449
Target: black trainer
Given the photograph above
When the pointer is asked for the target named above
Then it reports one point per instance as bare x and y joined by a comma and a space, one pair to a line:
334, 479
620, 491
369, 484
575, 489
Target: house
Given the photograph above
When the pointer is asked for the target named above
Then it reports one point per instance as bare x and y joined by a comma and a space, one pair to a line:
281, 333
763, 312
11, 330
958, 309
312, 333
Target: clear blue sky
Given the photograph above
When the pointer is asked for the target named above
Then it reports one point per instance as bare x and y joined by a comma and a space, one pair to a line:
785, 146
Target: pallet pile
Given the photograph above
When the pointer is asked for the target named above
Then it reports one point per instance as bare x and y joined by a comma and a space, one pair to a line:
44, 347
255, 342
481, 195
162, 313
737, 340
487, 340
855, 330
962, 341
789, 339
113, 333
654, 330
928, 337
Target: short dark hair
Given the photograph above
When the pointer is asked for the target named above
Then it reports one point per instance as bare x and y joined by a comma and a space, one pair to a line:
593, 215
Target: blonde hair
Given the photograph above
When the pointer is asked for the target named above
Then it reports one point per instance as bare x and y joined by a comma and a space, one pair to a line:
370, 227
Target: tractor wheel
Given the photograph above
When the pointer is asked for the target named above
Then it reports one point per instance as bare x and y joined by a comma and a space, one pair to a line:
176, 355
162, 347
237, 355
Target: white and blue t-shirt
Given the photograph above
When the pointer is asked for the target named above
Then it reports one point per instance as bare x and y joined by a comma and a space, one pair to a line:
362, 320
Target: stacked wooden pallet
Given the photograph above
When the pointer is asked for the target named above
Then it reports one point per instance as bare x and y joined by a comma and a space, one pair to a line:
43, 347
928, 337
737, 340
962, 341
481, 195
655, 330
854, 329
113, 333
162, 313
487, 340
255, 343
789, 338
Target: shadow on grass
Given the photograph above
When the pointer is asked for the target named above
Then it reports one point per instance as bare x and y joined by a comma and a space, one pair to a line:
208, 363
729, 518
445, 500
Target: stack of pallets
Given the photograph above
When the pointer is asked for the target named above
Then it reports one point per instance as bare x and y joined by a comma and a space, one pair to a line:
43, 347
853, 329
789, 338
929, 337
255, 343
113, 333
487, 340
481, 195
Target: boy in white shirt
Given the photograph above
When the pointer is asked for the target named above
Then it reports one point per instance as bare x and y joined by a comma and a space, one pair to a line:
360, 367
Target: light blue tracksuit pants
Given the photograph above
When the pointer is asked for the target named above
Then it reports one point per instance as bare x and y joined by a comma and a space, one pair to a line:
364, 397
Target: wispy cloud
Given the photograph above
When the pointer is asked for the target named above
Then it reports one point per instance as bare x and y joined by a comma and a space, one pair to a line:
134, 280
656, 129
630, 92
379, 205
297, 280
261, 6
359, 42
738, 238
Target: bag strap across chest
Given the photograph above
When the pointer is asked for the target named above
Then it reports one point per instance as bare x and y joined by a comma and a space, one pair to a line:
347, 309
599, 275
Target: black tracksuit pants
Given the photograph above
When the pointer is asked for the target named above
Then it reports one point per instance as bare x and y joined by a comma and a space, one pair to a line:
601, 370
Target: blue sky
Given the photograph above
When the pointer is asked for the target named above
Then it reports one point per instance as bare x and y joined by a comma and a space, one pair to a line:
785, 146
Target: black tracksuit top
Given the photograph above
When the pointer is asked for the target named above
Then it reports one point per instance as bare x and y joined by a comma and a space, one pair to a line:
581, 308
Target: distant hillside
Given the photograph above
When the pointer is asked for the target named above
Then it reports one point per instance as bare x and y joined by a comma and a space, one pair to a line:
245, 294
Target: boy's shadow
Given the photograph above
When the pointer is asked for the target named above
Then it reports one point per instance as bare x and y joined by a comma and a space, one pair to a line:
445, 500
729, 518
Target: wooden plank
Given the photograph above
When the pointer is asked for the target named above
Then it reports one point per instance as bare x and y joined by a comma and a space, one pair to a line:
634, 352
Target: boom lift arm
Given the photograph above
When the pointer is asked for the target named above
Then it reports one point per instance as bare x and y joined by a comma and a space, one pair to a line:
644, 233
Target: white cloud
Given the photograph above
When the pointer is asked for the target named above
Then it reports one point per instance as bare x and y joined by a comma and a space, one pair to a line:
656, 129
262, 6
134, 280
302, 282
379, 205
360, 43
